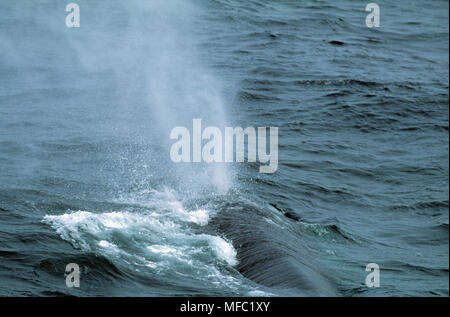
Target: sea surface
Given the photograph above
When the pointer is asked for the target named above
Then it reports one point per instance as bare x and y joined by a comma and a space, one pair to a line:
86, 176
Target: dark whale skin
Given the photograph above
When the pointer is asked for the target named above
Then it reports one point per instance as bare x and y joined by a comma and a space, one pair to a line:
269, 255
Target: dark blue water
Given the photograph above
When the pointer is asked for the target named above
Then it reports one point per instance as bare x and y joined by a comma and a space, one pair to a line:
86, 177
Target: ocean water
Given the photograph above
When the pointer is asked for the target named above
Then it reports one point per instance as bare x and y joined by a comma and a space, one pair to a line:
86, 177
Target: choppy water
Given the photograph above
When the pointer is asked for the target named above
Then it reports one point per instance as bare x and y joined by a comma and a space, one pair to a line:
85, 174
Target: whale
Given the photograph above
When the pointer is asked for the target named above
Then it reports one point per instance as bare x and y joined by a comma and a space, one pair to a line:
269, 254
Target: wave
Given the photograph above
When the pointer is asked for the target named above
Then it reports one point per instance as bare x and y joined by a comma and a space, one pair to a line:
167, 240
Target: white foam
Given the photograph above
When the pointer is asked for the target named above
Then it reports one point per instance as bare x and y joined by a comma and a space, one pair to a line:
200, 217
95, 223
78, 228
105, 244
164, 249
109, 247
224, 250
160, 240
